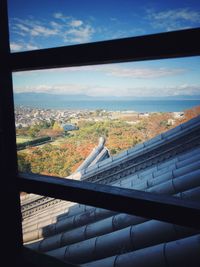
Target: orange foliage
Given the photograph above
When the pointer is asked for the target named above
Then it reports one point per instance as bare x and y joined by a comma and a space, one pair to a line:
63, 159
191, 113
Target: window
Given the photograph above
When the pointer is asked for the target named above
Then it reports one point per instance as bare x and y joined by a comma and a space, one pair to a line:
60, 114
139, 48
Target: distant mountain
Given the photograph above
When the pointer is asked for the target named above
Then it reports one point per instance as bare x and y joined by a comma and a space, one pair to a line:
184, 97
48, 97
33, 95
52, 100
177, 97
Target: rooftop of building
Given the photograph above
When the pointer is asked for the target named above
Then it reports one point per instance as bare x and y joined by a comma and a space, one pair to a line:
91, 237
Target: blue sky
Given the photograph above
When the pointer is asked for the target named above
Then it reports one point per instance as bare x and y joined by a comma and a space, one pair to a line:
49, 23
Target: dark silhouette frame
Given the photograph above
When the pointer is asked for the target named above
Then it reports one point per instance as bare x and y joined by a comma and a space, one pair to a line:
175, 44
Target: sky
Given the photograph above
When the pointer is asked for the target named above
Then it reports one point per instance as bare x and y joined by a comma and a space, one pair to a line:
50, 23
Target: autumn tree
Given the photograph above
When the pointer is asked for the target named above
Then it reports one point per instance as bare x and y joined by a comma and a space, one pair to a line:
23, 164
191, 113
57, 126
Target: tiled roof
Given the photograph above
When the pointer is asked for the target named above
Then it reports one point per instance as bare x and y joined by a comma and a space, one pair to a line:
97, 155
89, 236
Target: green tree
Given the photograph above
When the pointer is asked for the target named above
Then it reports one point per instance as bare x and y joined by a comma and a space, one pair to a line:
57, 126
23, 164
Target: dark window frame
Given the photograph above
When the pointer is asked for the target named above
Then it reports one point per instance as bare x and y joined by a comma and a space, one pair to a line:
150, 47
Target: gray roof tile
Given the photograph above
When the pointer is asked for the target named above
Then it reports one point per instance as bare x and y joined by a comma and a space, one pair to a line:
87, 234
191, 122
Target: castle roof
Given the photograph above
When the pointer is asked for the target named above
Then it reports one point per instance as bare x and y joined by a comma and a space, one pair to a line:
93, 237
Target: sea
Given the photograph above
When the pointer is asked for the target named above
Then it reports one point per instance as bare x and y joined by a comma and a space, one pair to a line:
116, 105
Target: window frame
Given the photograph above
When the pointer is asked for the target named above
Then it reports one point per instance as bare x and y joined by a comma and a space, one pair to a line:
150, 47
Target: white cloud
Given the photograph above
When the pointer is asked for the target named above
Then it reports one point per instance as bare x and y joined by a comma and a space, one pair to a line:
178, 14
143, 73
53, 89
174, 19
185, 89
61, 16
72, 89
22, 27
79, 35
76, 23
58, 15
63, 28
32, 28
119, 71
162, 91
31, 47
103, 91
38, 30
17, 47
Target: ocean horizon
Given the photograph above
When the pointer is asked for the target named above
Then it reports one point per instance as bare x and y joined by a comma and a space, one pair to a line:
113, 105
